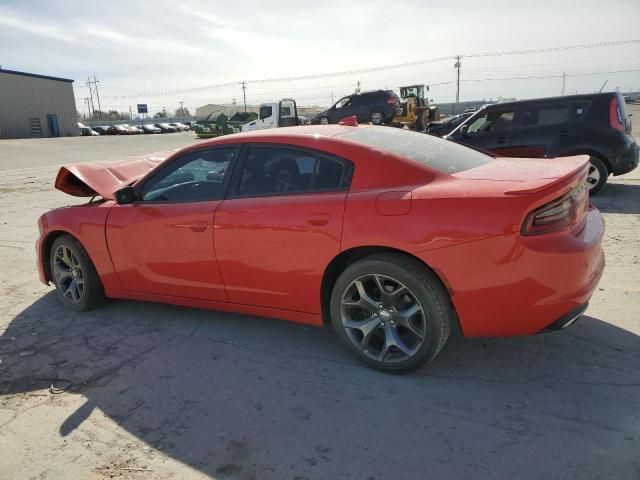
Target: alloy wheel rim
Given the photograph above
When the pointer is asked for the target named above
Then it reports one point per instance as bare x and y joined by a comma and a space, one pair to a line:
68, 274
324, 121
376, 118
593, 176
383, 318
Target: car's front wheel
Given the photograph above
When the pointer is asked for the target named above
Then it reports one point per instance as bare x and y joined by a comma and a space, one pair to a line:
597, 175
75, 278
391, 312
324, 121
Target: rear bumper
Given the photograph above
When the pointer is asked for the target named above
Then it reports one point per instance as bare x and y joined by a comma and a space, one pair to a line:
513, 285
626, 161
567, 319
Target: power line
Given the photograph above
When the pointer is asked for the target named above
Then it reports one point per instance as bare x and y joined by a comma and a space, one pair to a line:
395, 66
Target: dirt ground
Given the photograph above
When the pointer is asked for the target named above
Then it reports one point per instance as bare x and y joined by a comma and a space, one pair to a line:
144, 391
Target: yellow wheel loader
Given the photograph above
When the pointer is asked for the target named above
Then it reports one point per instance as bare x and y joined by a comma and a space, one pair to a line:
416, 111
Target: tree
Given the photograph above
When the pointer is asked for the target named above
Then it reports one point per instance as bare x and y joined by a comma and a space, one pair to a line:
162, 114
182, 112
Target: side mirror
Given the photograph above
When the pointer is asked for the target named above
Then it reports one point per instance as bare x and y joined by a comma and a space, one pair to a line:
125, 195
464, 130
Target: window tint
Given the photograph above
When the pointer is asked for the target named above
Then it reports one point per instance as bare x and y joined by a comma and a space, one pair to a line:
196, 177
265, 112
275, 171
494, 120
330, 174
542, 115
343, 102
443, 155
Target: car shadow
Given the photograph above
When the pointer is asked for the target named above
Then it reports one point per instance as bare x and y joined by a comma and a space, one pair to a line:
243, 397
618, 198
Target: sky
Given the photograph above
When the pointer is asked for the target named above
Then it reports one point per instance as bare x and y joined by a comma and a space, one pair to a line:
163, 52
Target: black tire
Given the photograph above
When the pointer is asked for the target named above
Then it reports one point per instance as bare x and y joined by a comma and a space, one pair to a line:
437, 313
92, 292
377, 117
324, 121
595, 183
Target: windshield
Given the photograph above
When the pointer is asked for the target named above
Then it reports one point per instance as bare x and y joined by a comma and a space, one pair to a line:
442, 155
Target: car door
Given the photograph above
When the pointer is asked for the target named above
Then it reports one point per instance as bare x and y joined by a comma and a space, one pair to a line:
280, 226
542, 130
491, 129
360, 107
163, 243
343, 108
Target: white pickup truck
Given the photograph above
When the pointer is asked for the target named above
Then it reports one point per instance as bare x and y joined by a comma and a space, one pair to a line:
275, 114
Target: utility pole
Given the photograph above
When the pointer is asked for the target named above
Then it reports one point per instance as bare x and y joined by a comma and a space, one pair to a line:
130, 113
457, 66
358, 87
181, 109
331, 97
95, 83
244, 95
564, 78
92, 111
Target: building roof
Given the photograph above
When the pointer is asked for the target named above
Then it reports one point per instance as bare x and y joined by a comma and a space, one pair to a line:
35, 75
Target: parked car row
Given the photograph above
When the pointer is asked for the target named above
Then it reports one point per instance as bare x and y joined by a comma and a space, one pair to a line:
125, 129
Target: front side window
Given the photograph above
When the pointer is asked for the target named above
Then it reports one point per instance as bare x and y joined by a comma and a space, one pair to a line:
265, 112
279, 171
495, 120
198, 176
343, 102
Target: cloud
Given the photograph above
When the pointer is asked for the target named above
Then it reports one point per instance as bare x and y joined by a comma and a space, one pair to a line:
34, 28
107, 34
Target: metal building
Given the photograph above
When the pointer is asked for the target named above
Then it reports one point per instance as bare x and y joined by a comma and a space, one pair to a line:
33, 106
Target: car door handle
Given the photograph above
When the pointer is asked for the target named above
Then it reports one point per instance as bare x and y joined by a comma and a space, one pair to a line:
318, 219
195, 226
564, 133
503, 139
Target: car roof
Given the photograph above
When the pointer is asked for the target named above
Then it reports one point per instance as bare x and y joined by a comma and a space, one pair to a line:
566, 98
282, 134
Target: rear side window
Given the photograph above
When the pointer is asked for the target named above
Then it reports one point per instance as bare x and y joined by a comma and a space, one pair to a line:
280, 171
442, 155
542, 115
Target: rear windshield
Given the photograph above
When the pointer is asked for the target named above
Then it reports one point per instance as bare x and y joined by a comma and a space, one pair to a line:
443, 155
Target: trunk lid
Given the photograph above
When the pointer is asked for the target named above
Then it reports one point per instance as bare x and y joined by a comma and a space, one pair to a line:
529, 175
104, 178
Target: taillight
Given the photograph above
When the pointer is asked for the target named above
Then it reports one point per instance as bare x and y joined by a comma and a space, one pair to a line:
615, 115
558, 214
391, 101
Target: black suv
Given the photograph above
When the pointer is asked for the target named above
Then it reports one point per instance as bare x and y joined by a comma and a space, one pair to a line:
377, 107
597, 125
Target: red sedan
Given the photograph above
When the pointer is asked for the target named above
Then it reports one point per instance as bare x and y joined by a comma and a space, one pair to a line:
393, 237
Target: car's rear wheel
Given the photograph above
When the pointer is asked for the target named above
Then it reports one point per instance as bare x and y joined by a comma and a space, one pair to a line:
391, 312
75, 278
597, 175
324, 121
377, 117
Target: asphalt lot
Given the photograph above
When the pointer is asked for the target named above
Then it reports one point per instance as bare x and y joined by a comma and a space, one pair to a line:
146, 391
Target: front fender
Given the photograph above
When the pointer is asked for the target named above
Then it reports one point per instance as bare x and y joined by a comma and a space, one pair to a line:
87, 224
